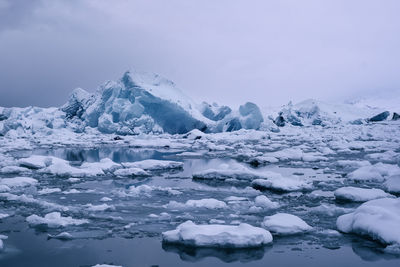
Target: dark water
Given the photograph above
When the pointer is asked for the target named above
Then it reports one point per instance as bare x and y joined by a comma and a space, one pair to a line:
27, 248
106, 240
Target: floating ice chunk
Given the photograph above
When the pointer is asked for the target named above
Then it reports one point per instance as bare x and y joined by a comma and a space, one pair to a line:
4, 188
208, 203
285, 224
106, 265
216, 235
105, 199
14, 170
18, 182
321, 194
376, 172
164, 216
46, 191
235, 199
154, 165
35, 162
30, 200
140, 189
54, 220
62, 236
228, 171
278, 182
329, 210
101, 207
392, 184
126, 172
357, 194
379, 219
353, 163
104, 165
265, 202
62, 168
3, 215
71, 191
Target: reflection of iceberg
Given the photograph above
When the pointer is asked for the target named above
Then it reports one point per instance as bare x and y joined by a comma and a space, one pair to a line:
371, 251
193, 254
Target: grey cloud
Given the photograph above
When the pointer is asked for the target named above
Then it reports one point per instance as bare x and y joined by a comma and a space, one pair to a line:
268, 52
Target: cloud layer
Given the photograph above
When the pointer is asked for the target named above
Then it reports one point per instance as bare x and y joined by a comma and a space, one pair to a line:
228, 51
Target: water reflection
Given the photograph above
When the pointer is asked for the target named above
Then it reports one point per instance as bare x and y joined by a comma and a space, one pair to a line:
228, 255
371, 251
118, 155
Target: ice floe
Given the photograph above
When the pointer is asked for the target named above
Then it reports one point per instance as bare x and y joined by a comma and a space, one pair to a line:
285, 224
378, 219
154, 165
278, 182
208, 203
54, 220
18, 182
358, 194
217, 235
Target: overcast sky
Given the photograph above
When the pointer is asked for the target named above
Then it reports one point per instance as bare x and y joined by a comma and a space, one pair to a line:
227, 51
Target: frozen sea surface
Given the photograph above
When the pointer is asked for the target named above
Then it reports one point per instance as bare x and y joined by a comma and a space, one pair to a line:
88, 215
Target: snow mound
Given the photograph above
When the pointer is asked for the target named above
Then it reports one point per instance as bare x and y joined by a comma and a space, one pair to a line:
54, 220
215, 235
379, 219
285, 224
357, 194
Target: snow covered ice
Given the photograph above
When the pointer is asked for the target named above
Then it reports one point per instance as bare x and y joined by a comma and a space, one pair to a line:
217, 235
285, 224
379, 219
359, 194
